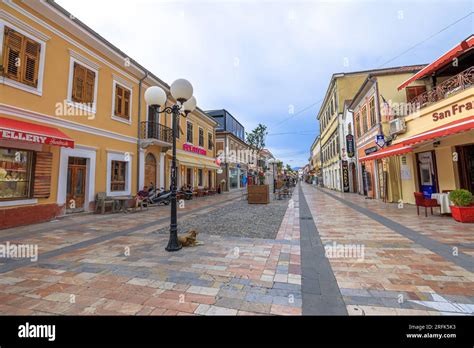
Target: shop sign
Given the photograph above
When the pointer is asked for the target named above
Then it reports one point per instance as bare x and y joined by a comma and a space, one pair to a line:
350, 145
33, 138
380, 140
345, 176
194, 149
371, 150
219, 171
451, 111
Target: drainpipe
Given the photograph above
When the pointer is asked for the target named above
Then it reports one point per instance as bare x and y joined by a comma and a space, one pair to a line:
140, 84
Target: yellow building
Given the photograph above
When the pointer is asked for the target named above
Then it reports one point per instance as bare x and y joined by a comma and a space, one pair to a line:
73, 121
435, 142
315, 160
341, 87
373, 107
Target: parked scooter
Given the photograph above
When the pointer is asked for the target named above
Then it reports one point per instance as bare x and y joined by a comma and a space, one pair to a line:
160, 196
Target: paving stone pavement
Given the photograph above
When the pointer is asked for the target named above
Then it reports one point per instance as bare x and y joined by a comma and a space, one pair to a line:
382, 272
117, 265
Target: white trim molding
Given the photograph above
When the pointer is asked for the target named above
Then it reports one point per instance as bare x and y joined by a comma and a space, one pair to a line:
82, 152
130, 105
59, 122
141, 173
18, 202
123, 157
94, 67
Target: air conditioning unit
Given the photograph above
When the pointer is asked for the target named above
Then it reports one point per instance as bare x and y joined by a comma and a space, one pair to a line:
397, 126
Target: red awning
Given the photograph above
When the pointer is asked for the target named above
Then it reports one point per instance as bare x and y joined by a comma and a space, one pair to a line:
455, 127
441, 61
33, 133
394, 150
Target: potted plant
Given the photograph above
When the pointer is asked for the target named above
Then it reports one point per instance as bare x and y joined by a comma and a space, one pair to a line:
261, 178
462, 209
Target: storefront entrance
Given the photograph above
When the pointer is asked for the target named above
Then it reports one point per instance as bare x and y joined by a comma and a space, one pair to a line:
76, 184
427, 174
466, 166
189, 177
354, 177
365, 180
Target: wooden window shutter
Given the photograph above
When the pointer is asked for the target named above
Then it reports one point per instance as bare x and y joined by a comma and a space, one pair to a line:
90, 86
31, 62
12, 54
118, 100
126, 103
78, 83
42, 175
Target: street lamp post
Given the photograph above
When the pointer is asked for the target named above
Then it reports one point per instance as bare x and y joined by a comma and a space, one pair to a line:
272, 162
155, 97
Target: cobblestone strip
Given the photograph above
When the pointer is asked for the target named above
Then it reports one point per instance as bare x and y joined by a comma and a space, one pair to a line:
320, 292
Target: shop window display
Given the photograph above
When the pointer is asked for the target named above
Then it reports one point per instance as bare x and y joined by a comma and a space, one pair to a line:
15, 174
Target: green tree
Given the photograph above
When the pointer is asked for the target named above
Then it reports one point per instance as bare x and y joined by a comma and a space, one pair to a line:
257, 137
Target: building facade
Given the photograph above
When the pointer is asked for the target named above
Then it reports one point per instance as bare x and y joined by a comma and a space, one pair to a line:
348, 151
373, 106
232, 150
435, 143
315, 161
73, 121
341, 87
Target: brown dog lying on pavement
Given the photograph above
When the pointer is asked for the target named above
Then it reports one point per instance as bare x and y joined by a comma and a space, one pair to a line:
189, 239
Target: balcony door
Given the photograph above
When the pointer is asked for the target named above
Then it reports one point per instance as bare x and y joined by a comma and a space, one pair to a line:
153, 128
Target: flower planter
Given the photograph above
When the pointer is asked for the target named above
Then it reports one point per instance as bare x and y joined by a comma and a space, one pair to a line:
258, 194
463, 214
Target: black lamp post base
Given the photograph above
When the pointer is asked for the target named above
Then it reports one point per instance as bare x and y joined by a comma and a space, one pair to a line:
173, 247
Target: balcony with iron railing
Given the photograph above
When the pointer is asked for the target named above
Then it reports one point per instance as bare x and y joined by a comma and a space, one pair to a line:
155, 133
453, 85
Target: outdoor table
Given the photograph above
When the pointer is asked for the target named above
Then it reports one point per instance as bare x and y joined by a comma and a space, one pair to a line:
122, 201
443, 201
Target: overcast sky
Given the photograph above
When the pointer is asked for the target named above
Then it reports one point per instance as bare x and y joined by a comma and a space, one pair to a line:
270, 62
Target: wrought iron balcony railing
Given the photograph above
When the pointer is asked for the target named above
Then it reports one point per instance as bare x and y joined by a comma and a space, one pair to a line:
155, 130
445, 89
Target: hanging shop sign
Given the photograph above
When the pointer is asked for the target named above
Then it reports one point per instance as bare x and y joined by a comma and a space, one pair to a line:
345, 175
194, 149
380, 140
350, 145
370, 150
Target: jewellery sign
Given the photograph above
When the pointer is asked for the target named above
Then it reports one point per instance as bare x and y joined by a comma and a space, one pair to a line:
350, 145
34, 138
345, 176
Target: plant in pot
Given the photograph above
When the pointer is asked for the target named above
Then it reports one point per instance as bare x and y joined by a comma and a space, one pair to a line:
462, 209
261, 178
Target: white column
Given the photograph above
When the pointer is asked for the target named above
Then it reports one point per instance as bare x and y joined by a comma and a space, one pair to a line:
162, 170
141, 172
